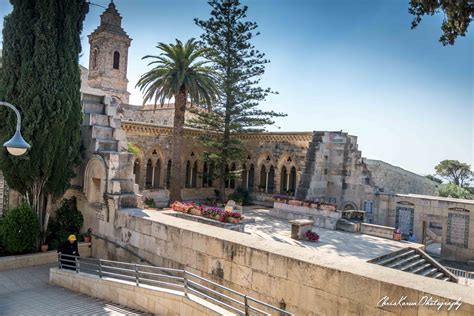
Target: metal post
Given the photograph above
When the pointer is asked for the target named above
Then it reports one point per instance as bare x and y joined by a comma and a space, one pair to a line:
77, 264
185, 284
100, 268
246, 306
136, 275
59, 260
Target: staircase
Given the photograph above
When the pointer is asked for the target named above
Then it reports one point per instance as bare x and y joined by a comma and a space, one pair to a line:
415, 261
102, 135
309, 167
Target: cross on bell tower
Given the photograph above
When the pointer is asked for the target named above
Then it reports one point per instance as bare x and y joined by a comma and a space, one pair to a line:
108, 59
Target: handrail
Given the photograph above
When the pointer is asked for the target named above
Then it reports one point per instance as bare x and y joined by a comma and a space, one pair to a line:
464, 276
177, 278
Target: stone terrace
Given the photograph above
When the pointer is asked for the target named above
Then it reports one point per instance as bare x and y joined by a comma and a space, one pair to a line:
332, 242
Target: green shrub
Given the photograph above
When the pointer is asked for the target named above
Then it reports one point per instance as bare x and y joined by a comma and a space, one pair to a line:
150, 202
68, 217
68, 221
240, 196
20, 229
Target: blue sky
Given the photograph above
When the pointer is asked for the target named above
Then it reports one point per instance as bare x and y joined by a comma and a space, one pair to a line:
337, 65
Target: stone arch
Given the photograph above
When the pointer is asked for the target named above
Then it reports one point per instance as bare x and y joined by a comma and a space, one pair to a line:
116, 62
349, 206
251, 179
137, 171
271, 180
95, 178
149, 174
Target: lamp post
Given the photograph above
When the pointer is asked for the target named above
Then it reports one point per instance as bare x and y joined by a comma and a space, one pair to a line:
16, 146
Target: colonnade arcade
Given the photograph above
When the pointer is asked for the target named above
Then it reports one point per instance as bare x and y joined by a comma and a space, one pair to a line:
263, 173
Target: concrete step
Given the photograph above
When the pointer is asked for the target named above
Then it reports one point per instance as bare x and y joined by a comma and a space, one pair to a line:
90, 107
96, 119
106, 145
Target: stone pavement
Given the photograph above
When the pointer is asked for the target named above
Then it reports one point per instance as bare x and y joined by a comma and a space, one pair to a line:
27, 292
340, 243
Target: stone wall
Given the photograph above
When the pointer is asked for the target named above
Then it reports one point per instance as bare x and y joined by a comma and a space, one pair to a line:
157, 301
452, 218
322, 218
308, 283
393, 179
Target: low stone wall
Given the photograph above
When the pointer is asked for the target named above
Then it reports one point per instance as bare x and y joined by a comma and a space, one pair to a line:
306, 282
377, 230
240, 227
158, 301
39, 258
348, 226
322, 218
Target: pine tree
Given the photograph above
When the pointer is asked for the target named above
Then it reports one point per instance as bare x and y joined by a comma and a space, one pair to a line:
41, 77
239, 68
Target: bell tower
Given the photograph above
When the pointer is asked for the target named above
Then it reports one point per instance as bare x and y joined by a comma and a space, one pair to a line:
109, 56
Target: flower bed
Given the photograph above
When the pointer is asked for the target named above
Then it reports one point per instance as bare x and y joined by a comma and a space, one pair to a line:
311, 236
211, 212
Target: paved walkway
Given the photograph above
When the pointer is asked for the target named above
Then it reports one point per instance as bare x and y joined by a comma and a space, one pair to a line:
27, 292
340, 243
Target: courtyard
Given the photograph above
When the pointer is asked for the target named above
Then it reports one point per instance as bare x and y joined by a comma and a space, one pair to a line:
332, 242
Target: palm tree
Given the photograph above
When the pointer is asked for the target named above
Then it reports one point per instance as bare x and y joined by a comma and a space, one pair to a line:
179, 72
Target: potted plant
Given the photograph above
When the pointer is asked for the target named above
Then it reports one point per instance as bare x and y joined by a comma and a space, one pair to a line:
43, 240
87, 235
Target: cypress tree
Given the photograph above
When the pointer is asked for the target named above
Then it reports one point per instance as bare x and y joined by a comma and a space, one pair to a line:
41, 77
238, 68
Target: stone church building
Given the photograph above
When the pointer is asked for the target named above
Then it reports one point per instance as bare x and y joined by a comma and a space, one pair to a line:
324, 165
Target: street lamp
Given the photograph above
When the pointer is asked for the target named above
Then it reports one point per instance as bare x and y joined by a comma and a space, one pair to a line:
16, 146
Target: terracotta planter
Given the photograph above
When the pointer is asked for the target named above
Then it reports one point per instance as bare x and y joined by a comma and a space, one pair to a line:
397, 236
44, 248
87, 238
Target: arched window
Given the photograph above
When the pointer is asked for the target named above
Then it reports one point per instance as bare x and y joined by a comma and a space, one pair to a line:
271, 180
251, 177
116, 60
284, 180
95, 52
187, 184
136, 171
210, 176
149, 174
194, 175
168, 174
292, 186
157, 174
263, 178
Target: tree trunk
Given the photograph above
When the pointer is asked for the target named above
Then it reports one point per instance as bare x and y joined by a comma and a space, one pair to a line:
222, 181
176, 181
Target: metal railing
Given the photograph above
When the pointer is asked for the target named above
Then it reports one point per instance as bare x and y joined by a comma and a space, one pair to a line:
178, 279
464, 277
